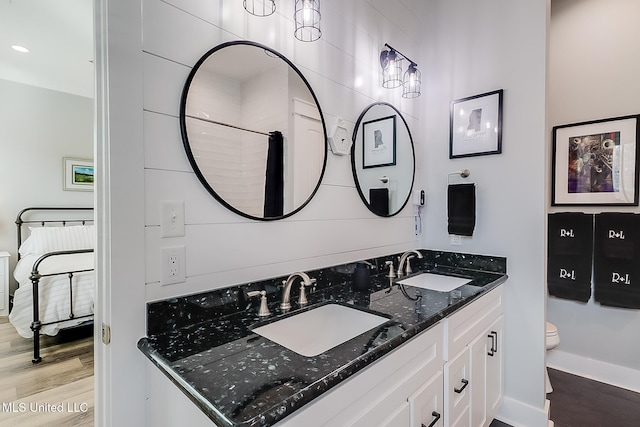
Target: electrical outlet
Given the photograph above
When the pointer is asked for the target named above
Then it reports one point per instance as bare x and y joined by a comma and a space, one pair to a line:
172, 265
456, 240
172, 219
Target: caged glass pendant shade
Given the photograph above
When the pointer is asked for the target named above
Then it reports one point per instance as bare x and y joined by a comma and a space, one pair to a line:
391, 69
307, 20
411, 82
260, 7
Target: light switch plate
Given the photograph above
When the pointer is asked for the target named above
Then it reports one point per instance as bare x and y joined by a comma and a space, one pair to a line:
172, 219
456, 240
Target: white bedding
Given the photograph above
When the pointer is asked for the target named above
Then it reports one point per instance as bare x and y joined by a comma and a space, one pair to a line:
54, 292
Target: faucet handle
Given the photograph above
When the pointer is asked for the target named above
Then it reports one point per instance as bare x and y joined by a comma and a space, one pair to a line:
264, 309
392, 273
408, 269
302, 300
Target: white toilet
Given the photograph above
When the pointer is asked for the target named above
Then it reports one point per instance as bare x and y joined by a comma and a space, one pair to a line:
552, 340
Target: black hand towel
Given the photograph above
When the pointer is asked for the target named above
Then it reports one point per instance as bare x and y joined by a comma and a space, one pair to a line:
569, 255
379, 201
617, 260
461, 207
274, 179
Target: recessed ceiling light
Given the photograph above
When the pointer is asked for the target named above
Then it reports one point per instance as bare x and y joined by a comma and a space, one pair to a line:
21, 49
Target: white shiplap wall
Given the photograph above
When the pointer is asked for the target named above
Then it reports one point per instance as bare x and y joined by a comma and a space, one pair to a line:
223, 248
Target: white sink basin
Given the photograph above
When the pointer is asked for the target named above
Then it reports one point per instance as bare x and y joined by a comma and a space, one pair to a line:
434, 282
315, 331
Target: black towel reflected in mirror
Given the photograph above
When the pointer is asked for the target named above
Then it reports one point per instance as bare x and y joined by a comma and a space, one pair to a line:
379, 201
274, 179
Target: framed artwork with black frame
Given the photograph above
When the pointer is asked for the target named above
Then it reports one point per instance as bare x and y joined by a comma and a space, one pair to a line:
475, 125
379, 142
596, 163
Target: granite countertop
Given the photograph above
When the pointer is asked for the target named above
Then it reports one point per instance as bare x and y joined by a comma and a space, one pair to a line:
239, 378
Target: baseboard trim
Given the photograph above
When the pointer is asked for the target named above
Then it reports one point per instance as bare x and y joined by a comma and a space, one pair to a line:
597, 370
519, 414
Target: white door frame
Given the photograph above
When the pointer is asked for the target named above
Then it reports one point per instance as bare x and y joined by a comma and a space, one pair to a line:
120, 368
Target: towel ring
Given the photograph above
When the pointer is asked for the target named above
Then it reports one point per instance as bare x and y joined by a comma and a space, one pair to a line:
464, 173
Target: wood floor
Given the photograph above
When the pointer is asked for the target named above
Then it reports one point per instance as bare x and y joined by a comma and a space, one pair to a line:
56, 392
581, 402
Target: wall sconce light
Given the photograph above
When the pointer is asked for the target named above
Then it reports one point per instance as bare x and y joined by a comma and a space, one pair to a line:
307, 19
260, 7
391, 63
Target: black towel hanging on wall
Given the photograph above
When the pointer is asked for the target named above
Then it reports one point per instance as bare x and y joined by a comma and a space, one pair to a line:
569, 255
461, 209
617, 260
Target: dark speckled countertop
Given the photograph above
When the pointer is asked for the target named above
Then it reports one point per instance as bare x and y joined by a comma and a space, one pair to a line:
204, 343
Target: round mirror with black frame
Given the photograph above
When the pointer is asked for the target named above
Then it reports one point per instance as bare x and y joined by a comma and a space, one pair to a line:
253, 130
383, 159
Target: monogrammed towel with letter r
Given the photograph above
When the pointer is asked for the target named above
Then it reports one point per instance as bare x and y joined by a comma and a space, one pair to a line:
570, 243
616, 266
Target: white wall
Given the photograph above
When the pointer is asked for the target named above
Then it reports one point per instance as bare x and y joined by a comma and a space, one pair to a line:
471, 48
593, 74
38, 127
222, 247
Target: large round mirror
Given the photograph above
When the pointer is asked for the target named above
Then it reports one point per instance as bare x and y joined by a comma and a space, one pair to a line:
253, 130
383, 159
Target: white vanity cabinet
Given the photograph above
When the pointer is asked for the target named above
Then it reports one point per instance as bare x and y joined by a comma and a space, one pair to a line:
473, 362
403, 388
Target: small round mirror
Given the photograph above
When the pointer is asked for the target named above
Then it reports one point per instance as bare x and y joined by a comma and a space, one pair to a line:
383, 159
253, 130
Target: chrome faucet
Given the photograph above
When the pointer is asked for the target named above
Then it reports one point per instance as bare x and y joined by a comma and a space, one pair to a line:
306, 281
405, 259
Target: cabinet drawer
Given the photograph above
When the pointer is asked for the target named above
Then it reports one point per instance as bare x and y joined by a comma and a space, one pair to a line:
427, 404
2, 300
463, 326
457, 388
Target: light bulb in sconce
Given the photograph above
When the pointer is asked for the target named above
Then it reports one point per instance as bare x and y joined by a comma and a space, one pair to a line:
307, 12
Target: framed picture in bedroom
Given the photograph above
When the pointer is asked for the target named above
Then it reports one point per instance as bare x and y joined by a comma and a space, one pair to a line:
379, 142
475, 125
596, 163
78, 174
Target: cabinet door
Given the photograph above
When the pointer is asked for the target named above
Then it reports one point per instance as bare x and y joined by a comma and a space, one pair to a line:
427, 406
495, 361
479, 348
457, 389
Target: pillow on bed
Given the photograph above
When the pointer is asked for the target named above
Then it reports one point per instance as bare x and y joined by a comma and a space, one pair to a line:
48, 239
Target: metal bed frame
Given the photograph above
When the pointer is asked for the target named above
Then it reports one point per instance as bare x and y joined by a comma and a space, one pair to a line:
35, 277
